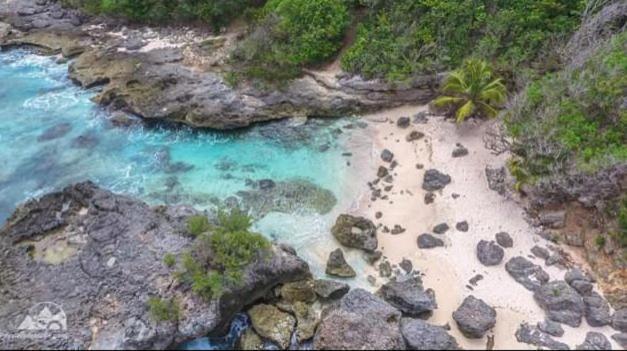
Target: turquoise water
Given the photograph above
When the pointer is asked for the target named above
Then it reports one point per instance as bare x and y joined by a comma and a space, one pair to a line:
52, 135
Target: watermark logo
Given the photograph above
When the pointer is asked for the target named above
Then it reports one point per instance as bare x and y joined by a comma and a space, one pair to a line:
44, 317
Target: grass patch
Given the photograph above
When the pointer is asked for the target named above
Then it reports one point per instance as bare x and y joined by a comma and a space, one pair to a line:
197, 225
162, 310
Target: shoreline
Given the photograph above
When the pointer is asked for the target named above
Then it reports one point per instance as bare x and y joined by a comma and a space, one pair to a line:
447, 270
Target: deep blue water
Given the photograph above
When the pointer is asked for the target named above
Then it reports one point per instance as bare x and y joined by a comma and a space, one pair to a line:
52, 135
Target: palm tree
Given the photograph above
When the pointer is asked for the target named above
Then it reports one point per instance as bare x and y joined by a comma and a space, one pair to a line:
473, 91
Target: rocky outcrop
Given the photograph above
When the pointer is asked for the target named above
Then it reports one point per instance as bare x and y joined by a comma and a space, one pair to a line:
100, 257
355, 232
272, 324
597, 311
163, 84
360, 321
474, 317
561, 302
419, 335
337, 265
409, 297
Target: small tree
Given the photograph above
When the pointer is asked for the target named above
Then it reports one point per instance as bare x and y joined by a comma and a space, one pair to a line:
472, 90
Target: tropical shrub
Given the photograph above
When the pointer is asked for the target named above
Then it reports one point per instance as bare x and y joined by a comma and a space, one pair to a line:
197, 225
472, 90
162, 310
290, 35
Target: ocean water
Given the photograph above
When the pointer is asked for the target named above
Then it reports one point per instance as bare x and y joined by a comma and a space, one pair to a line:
52, 135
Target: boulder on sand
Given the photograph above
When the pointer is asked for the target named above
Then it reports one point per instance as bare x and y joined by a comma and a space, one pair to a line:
474, 317
420, 335
489, 253
355, 232
409, 297
337, 265
561, 302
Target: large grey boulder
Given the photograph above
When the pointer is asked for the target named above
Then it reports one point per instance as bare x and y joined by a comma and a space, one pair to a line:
330, 289
533, 336
428, 241
474, 317
109, 262
561, 302
551, 328
409, 297
360, 321
435, 180
595, 341
338, 267
420, 335
489, 253
619, 321
525, 272
272, 324
355, 232
598, 312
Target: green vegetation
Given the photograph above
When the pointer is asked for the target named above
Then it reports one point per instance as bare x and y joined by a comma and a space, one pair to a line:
163, 310
600, 241
290, 35
403, 38
217, 13
472, 90
573, 117
197, 225
219, 257
169, 260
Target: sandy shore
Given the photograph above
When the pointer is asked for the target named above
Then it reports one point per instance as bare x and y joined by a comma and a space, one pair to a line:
447, 270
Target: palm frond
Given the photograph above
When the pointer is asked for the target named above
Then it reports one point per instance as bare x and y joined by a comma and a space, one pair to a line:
447, 100
465, 111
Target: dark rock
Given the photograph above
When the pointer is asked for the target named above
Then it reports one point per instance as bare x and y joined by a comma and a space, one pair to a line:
372, 257
406, 265
551, 328
619, 321
397, 230
360, 321
55, 132
435, 180
299, 291
583, 287
382, 172
414, 135
553, 219
114, 251
462, 226
474, 317
561, 302
533, 336
337, 265
355, 232
474, 280
85, 141
378, 215
123, 120
441, 228
595, 341
385, 269
266, 184
403, 122
409, 297
540, 252
621, 339
330, 289
249, 340
504, 239
496, 179
489, 253
531, 276
460, 151
428, 241
420, 335
387, 156
598, 312
429, 198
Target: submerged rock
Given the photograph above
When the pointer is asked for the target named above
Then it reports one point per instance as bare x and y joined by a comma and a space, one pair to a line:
474, 317
113, 248
435, 180
409, 297
419, 335
272, 324
355, 232
360, 321
55, 132
337, 265
561, 302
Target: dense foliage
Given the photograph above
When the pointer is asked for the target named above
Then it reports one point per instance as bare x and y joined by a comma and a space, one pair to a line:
220, 255
162, 310
292, 34
472, 90
574, 117
403, 38
215, 12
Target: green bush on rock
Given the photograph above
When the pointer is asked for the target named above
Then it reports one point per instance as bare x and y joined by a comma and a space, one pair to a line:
197, 225
162, 310
220, 255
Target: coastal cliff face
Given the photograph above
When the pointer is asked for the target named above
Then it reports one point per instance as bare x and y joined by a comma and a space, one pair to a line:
177, 76
100, 257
